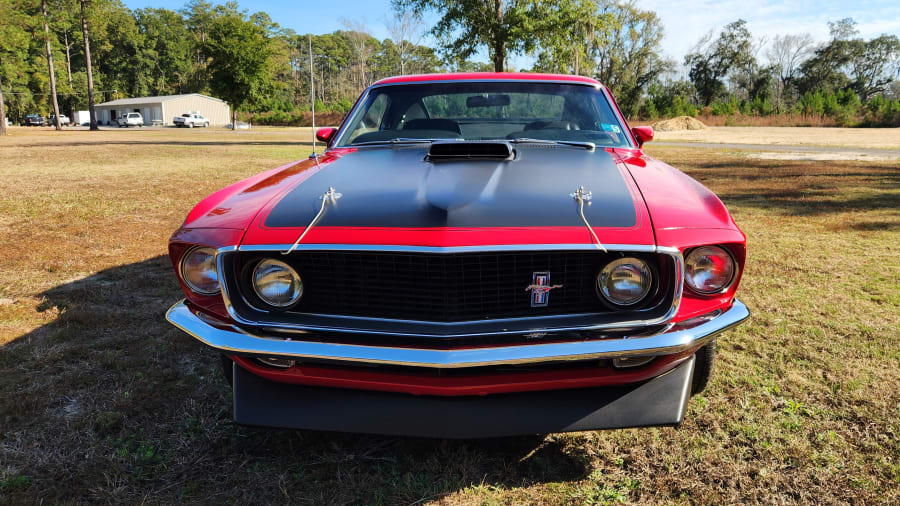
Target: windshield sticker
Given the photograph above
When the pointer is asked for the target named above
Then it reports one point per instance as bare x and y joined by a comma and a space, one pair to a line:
611, 128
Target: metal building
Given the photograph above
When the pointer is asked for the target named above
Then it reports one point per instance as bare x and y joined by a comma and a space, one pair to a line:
161, 110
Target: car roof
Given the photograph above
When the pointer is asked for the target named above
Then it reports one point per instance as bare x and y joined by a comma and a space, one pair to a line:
486, 76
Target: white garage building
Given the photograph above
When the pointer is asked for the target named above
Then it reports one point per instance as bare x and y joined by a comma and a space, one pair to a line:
161, 110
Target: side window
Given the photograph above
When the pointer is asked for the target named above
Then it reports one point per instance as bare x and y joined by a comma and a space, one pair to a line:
371, 120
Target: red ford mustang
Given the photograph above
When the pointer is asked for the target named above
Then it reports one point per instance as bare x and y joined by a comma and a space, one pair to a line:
473, 255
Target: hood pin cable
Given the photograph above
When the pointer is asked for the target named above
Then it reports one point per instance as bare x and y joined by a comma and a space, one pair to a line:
580, 196
330, 196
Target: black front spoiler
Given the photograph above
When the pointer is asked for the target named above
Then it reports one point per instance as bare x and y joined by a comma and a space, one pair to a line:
656, 402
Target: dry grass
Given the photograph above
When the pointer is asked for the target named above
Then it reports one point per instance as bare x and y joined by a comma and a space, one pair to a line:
790, 136
740, 120
102, 401
775, 120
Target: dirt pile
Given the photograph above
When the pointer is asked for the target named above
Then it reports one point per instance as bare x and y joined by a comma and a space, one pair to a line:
679, 123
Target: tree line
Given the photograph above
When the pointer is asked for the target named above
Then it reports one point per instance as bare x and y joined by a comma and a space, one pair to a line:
263, 70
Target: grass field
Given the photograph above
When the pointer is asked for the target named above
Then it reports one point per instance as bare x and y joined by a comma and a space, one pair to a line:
102, 401
885, 138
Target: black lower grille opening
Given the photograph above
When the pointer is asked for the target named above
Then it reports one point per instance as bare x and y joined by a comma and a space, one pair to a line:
446, 287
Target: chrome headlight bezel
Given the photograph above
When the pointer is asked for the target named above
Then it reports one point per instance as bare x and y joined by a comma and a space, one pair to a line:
643, 268
297, 292
690, 282
211, 267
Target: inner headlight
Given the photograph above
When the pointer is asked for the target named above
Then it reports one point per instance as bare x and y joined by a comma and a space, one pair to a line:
708, 269
625, 281
198, 270
276, 283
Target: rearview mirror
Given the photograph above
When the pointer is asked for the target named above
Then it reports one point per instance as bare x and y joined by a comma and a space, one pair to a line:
642, 134
488, 101
325, 134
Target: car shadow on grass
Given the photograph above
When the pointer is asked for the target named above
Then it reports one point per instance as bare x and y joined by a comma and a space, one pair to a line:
109, 403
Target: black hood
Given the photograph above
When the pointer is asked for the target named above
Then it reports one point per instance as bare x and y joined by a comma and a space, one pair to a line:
398, 187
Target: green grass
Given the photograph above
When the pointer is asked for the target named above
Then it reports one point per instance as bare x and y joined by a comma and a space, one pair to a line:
102, 401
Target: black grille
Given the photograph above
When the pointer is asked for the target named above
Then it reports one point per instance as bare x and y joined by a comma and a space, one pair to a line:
444, 287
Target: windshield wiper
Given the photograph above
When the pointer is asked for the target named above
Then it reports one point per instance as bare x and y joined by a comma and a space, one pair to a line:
398, 140
580, 144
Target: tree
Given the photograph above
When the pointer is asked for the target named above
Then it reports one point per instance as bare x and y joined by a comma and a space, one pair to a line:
874, 65
12, 39
405, 29
786, 53
842, 29
50, 66
712, 60
168, 47
824, 71
573, 34
362, 43
628, 54
240, 60
502, 26
87, 59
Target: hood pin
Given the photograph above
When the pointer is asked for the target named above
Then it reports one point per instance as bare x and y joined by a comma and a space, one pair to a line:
581, 195
331, 196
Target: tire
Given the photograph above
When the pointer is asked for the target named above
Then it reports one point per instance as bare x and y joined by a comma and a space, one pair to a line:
228, 370
190, 125
206, 125
705, 359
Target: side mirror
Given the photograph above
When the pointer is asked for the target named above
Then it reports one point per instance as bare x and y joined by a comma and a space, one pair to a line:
642, 134
325, 134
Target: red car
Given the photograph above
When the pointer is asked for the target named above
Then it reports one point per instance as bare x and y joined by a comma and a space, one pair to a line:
473, 255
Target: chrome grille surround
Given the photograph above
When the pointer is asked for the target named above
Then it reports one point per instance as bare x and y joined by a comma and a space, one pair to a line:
415, 328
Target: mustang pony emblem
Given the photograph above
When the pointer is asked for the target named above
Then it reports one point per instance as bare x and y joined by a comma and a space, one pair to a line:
540, 287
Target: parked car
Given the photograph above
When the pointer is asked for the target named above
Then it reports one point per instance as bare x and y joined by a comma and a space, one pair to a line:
130, 119
190, 120
33, 120
473, 255
63, 120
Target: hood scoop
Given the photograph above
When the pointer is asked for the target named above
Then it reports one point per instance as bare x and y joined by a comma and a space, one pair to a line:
469, 150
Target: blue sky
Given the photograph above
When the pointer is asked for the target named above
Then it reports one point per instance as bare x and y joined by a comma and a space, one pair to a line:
684, 21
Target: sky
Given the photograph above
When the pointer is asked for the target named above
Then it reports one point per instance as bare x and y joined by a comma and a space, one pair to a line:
684, 21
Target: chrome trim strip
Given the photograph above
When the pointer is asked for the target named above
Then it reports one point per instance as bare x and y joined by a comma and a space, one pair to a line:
678, 274
228, 338
536, 319
614, 107
398, 248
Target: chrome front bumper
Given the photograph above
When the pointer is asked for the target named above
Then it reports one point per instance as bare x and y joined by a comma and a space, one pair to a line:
230, 339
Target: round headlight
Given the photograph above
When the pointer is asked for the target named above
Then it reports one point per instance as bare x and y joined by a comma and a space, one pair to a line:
198, 270
625, 281
708, 269
276, 283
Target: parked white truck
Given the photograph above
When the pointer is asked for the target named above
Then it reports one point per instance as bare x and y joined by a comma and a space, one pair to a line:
131, 119
191, 119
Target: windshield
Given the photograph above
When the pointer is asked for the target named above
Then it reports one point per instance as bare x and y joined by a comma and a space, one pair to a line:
485, 111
